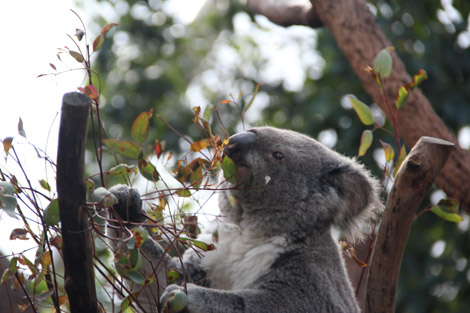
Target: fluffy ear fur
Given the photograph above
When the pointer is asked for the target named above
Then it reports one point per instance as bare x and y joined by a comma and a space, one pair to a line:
357, 199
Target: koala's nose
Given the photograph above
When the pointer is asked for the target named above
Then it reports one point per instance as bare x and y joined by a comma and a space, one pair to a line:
238, 145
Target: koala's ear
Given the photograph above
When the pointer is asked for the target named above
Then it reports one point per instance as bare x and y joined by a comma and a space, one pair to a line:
358, 199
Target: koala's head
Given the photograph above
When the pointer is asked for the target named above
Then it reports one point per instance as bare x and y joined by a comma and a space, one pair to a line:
291, 184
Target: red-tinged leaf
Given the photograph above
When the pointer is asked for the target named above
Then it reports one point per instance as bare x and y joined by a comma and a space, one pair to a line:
170, 155
21, 129
226, 101
148, 170
90, 91
79, 34
419, 78
140, 127
53, 66
98, 42
366, 141
158, 148
77, 56
388, 150
402, 96
139, 237
126, 148
172, 276
253, 97
362, 110
199, 145
7, 143
19, 233
107, 28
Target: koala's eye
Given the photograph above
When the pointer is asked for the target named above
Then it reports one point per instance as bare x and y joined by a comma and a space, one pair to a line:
278, 155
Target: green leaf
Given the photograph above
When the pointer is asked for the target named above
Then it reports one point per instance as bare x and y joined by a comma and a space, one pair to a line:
366, 141
123, 169
401, 158
6, 188
388, 150
140, 127
230, 169
363, 111
201, 245
207, 112
77, 56
98, 42
253, 97
449, 205
125, 304
184, 193
136, 277
148, 170
402, 96
450, 217
126, 148
383, 63
45, 185
51, 213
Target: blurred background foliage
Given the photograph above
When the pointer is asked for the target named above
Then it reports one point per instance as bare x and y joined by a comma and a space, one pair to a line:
176, 54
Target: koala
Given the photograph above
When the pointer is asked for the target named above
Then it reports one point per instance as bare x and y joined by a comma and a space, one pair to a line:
275, 249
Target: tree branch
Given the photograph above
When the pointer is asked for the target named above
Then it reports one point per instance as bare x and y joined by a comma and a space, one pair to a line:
285, 13
77, 245
413, 180
359, 36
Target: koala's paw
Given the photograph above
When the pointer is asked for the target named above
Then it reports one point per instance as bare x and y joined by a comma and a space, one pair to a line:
174, 300
129, 206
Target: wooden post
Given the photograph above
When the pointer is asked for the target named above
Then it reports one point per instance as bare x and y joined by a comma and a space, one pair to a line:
77, 245
413, 180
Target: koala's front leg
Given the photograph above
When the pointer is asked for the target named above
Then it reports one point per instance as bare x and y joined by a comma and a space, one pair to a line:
203, 300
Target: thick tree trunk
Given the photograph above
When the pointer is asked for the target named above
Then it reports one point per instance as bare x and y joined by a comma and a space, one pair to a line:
77, 246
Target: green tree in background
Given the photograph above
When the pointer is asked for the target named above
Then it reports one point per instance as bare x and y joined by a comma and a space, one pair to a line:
156, 61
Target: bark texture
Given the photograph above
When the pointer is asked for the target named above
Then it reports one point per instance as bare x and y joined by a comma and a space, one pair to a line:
77, 248
412, 182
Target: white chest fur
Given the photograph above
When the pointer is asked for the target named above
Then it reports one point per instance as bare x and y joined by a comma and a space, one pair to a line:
240, 258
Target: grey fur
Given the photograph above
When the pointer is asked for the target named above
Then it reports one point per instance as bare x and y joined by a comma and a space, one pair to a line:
275, 251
